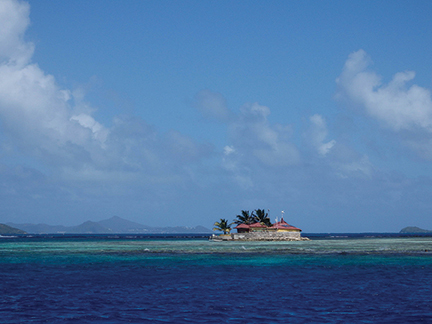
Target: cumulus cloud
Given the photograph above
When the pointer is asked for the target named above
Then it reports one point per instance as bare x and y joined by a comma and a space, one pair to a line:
253, 142
339, 159
228, 150
99, 132
72, 156
395, 104
254, 137
318, 134
35, 113
56, 125
258, 139
405, 110
14, 20
256, 145
232, 162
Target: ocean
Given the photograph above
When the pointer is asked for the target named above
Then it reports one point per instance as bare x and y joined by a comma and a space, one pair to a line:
339, 278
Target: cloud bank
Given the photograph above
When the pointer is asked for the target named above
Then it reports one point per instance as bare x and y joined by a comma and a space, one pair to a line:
57, 160
402, 108
73, 156
43, 120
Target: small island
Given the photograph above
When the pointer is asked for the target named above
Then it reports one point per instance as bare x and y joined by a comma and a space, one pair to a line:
256, 226
414, 229
8, 230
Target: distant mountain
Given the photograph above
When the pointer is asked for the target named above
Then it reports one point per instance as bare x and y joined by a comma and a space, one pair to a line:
8, 230
40, 228
120, 225
414, 229
114, 224
117, 224
89, 227
180, 230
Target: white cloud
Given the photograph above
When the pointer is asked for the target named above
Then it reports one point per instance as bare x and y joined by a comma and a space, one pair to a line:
318, 134
99, 132
395, 104
232, 161
254, 112
254, 144
14, 20
257, 146
34, 110
405, 110
35, 113
256, 139
40, 119
71, 156
339, 159
229, 150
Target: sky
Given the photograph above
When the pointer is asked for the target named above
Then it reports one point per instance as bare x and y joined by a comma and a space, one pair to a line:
179, 113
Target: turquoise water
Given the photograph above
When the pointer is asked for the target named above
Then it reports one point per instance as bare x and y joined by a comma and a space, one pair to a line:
139, 280
112, 249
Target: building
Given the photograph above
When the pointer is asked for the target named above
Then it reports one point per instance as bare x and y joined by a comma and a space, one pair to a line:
280, 226
280, 231
283, 226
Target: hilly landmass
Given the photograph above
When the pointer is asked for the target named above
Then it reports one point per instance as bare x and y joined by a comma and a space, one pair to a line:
124, 226
414, 229
8, 230
90, 228
113, 225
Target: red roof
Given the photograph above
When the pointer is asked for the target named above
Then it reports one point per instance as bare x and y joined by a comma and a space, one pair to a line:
279, 225
254, 225
284, 225
242, 226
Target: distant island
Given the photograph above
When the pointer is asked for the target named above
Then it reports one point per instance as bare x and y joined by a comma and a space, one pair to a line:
9, 230
113, 225
256, 226
414, 229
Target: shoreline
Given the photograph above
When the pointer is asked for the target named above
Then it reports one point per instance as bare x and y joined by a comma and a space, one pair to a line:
255, 237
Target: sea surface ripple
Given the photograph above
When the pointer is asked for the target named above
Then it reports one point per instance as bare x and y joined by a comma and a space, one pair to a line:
192, 280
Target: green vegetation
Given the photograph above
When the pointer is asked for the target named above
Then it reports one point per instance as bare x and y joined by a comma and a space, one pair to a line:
7, 230
414, 229
257, 216
222, 226
114, 224
245, 217
262, 217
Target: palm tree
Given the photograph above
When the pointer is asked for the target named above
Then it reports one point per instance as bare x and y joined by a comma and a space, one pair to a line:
262, 217
245, 218
222, 225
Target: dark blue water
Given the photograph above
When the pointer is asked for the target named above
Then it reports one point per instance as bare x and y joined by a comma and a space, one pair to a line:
120, 281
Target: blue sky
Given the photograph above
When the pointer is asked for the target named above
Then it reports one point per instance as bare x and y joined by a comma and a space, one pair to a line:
184, 112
